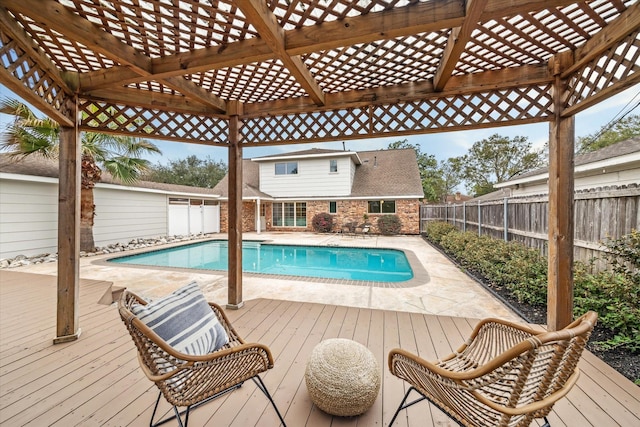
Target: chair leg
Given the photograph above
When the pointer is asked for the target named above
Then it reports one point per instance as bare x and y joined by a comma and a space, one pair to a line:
546, 423
263, 388
179, 413
404, 405
155, 408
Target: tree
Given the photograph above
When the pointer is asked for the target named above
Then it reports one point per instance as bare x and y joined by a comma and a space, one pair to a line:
451, 175
119, 155
621, 130
497, 159
192, 171
428, 167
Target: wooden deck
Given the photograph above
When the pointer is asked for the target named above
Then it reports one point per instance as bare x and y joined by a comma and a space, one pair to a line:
96, 380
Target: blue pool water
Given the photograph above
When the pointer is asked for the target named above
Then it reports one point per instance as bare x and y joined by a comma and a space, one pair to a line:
380, 265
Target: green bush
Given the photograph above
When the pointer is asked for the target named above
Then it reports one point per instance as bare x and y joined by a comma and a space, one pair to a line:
436, 230
624, 256
614, 298
614, 295
322, 222
389, 224
523, 271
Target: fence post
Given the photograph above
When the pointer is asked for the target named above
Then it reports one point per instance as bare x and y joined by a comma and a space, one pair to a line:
454, 214
506, 219
464, 216
479, 220
446, 213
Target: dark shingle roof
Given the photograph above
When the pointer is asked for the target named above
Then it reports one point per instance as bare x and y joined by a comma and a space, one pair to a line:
250, 182
40, 166
614, 150
387, 173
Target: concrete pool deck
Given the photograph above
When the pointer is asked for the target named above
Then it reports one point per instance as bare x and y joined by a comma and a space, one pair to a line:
439, 287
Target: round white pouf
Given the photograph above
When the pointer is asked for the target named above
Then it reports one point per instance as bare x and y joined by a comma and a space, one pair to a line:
342, 377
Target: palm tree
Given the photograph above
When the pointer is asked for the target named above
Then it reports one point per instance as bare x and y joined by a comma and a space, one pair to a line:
119, 155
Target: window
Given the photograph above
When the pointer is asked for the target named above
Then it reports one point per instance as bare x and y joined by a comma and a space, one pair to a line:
382, 206
289, 168
301, 214
277, 215
289, 214
333, 166
333, 208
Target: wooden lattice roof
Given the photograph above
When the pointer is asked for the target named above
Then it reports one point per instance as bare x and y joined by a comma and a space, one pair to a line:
314, 70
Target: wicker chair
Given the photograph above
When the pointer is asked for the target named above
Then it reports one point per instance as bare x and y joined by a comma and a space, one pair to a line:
504, 375
189, 381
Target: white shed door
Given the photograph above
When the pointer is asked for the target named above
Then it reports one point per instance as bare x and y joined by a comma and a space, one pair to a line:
178, 220
211, 219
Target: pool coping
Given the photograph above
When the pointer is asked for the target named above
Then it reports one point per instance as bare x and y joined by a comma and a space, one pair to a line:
420, 274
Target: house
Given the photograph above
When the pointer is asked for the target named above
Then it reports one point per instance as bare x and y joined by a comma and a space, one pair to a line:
29, 208
613, 166
457, 198
283, 192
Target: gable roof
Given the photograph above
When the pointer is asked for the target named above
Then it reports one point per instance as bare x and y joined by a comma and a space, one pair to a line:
381, 173
250, 182
36, 165
615, 155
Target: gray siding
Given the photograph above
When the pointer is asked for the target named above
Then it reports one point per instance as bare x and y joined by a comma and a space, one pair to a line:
28, 218
312, 180
122, 215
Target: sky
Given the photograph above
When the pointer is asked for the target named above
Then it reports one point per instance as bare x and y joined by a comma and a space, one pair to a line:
441, 145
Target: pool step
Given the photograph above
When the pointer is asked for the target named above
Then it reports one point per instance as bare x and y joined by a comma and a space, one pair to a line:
111, 295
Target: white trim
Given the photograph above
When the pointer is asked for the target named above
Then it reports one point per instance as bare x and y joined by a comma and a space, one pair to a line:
49, 180
158, 191
30, 178
309, 156
328, 198
617, 163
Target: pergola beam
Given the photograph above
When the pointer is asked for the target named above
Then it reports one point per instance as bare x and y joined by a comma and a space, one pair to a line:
151, 100
196, 93
266, 23
19, 35
625, 24
472, 83
496, 9
412, 19
54, 15
458, 39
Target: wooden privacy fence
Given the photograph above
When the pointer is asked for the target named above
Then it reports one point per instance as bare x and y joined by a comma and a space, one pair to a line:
599, 214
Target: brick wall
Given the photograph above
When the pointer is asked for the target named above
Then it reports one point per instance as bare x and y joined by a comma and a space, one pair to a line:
248, 216
347, 211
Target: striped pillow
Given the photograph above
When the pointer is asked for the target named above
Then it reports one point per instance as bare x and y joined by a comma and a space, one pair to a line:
185, 321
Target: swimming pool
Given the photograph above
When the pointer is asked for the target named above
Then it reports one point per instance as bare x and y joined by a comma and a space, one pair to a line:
370, 264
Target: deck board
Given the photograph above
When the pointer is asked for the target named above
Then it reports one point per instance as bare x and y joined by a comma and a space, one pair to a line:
97, 380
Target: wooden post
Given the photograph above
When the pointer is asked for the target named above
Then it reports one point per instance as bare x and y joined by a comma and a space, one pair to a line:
560, 268
464, 216
70, 161
454, 214
235, 215
505, 220
479, 219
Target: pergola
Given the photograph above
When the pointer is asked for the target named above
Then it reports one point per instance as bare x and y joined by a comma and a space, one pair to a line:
242, 73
